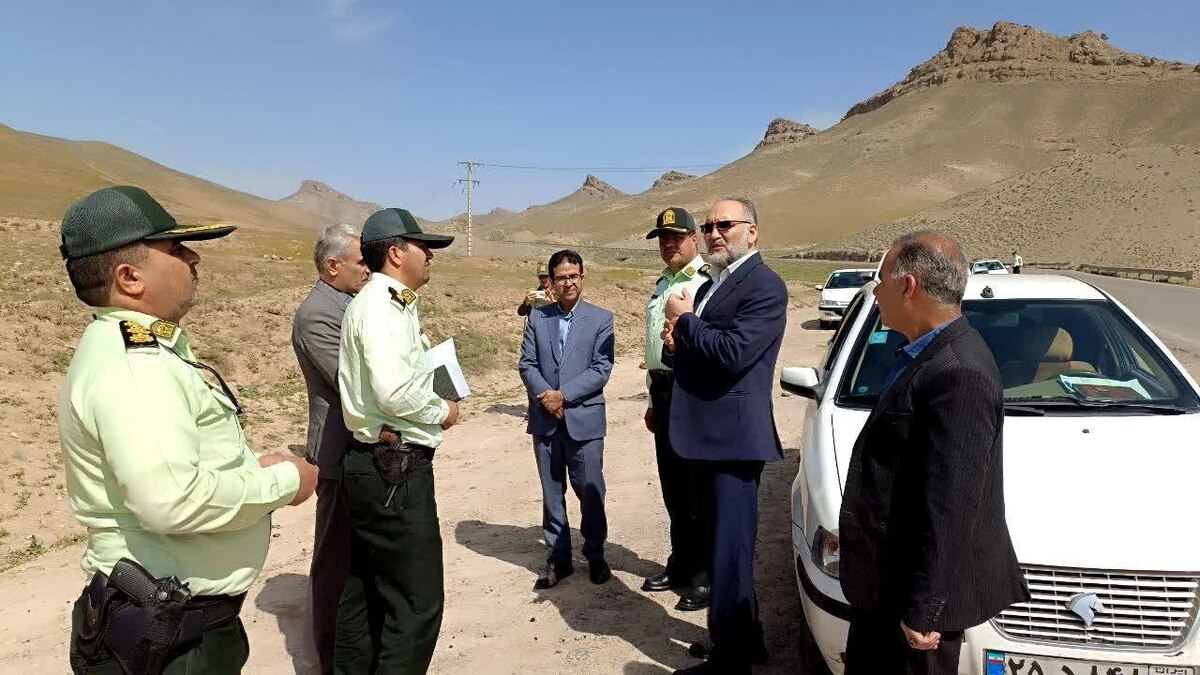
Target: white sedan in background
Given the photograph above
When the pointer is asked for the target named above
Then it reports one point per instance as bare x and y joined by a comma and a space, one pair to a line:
837, 292
1101, 465
988, 267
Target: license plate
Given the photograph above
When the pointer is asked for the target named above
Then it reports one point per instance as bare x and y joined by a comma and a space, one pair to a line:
1002, 663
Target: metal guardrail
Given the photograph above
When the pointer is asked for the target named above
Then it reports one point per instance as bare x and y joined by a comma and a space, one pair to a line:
1145, 274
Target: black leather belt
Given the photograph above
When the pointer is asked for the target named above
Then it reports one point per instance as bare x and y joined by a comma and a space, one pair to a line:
218, 610
422, 451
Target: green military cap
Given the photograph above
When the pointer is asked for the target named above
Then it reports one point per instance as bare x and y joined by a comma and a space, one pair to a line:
543, 270
675, 220
393, 222
116, 216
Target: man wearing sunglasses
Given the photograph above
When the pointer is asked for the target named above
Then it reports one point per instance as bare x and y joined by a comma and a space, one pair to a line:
724, 344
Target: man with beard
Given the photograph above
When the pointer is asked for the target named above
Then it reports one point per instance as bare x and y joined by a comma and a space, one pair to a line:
176, 504
686, 503
722, 417
316, 334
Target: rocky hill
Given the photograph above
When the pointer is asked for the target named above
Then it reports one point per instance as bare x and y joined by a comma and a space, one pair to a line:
40, 176
785, 131
671, 178
1137, 207
331, 205
1010, 52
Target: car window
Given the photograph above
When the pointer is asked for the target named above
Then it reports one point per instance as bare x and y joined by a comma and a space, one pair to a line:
839, 338
847, 280
1044, 349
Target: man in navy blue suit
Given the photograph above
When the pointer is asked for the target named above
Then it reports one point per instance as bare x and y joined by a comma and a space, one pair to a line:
724, 344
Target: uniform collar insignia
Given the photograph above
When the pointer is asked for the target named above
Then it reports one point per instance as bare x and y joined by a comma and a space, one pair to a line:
164, 329
136, 335
404, 297
690, 271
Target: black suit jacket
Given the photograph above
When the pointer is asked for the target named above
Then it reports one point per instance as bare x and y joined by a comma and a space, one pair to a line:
923, 535
724, 361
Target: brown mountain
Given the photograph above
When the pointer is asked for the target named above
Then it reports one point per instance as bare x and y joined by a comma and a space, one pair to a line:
671, 178
786, 131
1027, 100
41, 175
331, 205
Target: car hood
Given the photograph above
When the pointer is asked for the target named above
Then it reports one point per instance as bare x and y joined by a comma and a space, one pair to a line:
839, 294
1091, 491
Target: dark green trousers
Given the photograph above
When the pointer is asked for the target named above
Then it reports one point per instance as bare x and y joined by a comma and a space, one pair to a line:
395, 573
222, 651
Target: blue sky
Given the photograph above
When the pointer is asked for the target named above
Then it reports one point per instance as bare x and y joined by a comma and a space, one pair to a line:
381, 99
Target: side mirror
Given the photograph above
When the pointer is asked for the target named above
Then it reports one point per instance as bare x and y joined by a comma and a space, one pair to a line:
802, 382
819, 287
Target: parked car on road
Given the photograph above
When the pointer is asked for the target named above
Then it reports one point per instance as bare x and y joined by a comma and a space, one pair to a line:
988, 267
1101, 464
837, 291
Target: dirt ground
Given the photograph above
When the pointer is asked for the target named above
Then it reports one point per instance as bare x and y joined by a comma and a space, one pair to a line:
489, 503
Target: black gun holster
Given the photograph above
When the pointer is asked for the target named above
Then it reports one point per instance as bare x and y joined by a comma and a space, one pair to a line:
143, 622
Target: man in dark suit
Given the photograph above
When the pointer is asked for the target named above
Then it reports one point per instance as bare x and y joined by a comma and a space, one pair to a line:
724, 343
566, 359
316, 333
925, 550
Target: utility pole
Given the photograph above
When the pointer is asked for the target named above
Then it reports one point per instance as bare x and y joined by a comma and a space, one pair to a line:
471, 183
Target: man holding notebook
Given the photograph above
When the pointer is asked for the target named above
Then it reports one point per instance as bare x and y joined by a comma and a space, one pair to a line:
386, 379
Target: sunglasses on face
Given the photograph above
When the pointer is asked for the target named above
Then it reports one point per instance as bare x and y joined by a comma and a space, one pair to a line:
722, 226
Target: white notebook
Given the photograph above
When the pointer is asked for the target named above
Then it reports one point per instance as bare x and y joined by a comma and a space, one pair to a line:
448, 379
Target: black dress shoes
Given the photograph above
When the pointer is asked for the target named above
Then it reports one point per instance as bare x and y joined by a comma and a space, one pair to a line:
598, 571
758, 649
552, 573
656, 583
694, 599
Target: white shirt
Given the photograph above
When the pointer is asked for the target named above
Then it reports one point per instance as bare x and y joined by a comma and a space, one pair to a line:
721, 277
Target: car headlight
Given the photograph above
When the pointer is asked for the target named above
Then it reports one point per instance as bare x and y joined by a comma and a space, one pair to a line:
826, 552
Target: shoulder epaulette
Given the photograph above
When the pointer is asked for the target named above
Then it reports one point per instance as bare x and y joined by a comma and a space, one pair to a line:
136, 335
704, 268
405, 297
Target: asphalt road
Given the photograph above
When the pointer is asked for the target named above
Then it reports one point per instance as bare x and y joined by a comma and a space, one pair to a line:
1172, 311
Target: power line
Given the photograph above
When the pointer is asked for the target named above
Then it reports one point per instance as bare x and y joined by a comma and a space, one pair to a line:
600, 169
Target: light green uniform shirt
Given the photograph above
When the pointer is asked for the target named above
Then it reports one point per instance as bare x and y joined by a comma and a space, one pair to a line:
385, 374
157, 466
691, 277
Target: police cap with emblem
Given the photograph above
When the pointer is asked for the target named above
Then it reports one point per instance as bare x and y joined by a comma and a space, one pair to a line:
113, 217
675, 220
543, 270
393, 222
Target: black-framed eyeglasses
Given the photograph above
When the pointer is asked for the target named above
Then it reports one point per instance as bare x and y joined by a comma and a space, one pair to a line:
722, 226
573, 278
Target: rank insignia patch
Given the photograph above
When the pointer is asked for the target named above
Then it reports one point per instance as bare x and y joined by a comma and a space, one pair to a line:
704, 268
136, 335
405, 297
163, 329
690, 271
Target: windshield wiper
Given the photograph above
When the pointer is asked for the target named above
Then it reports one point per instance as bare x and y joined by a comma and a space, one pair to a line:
1062, 401
1011, 409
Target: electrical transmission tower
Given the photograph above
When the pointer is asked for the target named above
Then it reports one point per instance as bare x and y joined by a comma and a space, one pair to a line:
470, 183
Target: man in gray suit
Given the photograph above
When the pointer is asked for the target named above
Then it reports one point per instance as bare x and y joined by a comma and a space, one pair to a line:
566, 359
316, 334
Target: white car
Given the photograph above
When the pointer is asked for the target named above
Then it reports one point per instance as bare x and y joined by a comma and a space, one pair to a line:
988, 267
1101, 463
837, 292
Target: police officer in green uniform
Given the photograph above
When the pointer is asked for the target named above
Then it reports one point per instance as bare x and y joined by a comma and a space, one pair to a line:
386, 381
176, 505
687, 567
541, 296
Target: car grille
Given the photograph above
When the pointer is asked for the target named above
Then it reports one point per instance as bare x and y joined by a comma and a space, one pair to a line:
1141, 610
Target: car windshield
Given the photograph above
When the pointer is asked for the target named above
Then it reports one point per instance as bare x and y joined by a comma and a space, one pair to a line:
989, 265
848, 280
1076, 354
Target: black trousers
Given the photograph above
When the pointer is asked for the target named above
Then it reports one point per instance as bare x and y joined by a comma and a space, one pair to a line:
330, 567
686, 496
876, 646
391, 609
